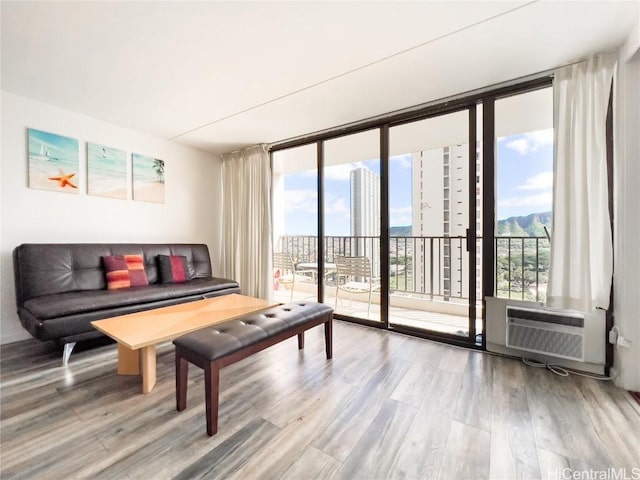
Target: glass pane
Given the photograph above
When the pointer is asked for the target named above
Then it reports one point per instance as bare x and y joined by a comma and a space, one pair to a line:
524, 194
429, 211
295, 224
352, 225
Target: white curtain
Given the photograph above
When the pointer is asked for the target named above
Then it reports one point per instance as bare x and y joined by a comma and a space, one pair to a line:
246, 206
581, 245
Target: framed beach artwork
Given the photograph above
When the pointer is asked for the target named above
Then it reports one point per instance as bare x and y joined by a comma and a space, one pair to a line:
53, 161
106, 171
148, 178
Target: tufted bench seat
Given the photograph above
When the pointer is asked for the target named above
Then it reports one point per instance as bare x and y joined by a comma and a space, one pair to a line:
216, 347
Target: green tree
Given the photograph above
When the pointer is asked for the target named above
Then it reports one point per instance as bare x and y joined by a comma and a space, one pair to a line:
158, 166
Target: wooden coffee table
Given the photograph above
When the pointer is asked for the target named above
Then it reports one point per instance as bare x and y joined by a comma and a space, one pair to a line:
138, 333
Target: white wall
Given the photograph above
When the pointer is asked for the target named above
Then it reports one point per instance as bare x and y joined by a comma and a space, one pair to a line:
190, 214
626, 282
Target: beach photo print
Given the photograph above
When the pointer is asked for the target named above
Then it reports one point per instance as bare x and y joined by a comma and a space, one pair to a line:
148, 178
106, 171
53, 162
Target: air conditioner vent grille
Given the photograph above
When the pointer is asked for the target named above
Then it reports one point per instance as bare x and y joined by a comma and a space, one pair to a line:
561, 344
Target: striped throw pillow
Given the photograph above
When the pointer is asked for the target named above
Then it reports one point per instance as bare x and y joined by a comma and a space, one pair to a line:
173, 268
124, 271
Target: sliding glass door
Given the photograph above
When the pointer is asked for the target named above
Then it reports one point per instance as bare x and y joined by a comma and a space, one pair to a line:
330, 225
433, 192
352, 216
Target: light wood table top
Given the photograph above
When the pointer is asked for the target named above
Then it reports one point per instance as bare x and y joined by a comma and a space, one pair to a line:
141, 329
138, 333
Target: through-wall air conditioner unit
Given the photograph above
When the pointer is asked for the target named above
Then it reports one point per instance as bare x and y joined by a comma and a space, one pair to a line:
554, 333
568, 338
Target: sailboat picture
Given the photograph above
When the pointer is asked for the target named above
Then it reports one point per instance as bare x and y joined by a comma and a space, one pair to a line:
44, 153
53, 162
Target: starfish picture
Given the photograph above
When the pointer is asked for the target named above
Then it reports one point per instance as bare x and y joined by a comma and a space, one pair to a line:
64, 180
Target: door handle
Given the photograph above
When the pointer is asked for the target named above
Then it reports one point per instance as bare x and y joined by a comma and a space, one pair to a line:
471, 238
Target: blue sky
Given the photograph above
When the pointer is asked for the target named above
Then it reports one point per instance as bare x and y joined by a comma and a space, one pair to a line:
524, 185
525, 174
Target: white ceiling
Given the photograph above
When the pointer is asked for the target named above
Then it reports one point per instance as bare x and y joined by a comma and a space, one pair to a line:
222, 75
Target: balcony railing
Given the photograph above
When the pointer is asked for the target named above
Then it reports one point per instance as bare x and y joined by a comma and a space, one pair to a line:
522, 267
437, 266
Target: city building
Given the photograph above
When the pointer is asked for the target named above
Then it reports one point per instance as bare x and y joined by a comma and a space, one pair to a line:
365, 215
365, 203
440, 213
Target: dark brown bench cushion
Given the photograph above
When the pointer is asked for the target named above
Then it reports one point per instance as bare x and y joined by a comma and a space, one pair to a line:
212, 343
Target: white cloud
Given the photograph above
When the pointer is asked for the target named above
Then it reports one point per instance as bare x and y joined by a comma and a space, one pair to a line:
301, 200
521, 146
313, 172
401, 210
343, 171
401, 215
402, 161
541, 181
307, 201
539, 200
337, 206
532, 141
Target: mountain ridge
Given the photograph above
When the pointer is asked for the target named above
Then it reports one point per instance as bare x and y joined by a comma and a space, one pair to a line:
403, 231
531, 225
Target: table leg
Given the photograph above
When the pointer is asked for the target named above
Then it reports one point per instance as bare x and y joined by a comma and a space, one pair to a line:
148, 368
128, 361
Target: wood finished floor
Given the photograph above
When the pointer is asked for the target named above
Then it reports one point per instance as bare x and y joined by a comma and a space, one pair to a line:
387, 406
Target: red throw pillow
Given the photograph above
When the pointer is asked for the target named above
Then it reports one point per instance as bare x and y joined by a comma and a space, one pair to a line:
173, 268
124, 271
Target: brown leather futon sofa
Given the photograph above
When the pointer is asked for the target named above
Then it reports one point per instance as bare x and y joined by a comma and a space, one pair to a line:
62, 288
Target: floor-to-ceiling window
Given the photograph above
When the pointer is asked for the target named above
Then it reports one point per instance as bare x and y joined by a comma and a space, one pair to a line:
524, 194
409, 223
295, 223
352, 215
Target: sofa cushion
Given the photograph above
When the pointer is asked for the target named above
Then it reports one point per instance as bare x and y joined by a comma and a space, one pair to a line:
173, 268
124, 271
62, 304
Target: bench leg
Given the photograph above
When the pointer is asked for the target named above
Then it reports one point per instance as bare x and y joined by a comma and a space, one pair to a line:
182, 372
211, 392
300, 341
328, 337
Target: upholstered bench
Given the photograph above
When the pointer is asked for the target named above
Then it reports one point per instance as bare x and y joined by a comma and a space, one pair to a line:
216, 347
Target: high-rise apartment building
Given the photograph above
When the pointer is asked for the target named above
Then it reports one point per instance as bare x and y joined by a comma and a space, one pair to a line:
365, 203
440, 216
365, 215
